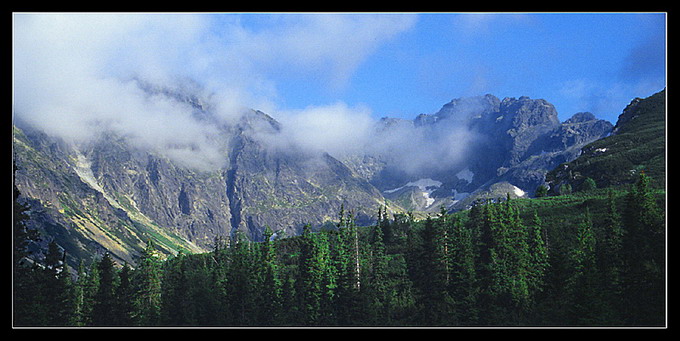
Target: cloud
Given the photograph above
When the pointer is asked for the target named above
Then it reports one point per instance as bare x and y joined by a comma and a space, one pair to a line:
345, 131
77, 75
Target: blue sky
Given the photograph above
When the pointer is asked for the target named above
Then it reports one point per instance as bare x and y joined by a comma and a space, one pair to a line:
327, 77
579, 62
73, 71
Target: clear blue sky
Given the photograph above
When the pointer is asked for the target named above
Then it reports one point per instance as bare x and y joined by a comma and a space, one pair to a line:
594, 62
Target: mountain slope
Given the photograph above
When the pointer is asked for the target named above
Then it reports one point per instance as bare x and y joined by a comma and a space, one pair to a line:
637, 143
109, 194
510, 145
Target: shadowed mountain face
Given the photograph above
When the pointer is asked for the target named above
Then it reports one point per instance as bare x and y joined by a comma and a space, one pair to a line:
108, 194
514, 143
113, 193
637, 144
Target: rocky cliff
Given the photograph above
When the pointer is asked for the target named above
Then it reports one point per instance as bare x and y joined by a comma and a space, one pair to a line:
109, 194
515, 142
112, 194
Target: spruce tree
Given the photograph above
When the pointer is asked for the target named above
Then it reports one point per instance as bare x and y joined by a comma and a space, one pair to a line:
348, 307
539, 255
177, 304
376, 288
105, 299
644, 256
585, 304
58, 289
610, 259
240, 282
90, 286
463, 283
433, 283
124, 298
148, 277
271, 288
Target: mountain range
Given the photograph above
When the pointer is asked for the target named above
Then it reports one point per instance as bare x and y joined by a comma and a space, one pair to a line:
110, 194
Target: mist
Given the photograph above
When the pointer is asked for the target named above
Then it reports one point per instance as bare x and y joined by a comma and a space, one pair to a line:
77, 76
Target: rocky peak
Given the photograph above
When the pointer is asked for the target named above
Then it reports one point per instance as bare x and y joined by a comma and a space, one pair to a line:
527, 112
461, 109
580, 117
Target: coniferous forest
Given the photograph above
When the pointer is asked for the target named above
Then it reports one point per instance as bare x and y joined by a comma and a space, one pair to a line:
590, 258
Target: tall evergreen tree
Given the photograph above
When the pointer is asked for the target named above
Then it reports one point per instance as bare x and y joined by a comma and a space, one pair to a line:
241, 282
90, 286
437, 303
105, 299
610, 260
463, 283
585, 306
377, 281
148, 277
272, 285
177, 307
317, 280
57, 286
644, 256
124, 297
539, 255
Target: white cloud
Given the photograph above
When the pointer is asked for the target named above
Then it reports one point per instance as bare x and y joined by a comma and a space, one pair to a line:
75, 75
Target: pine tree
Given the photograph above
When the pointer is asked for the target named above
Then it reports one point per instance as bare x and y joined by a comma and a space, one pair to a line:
124, 298
344, 259
57, 286
90, 286
105, 300
539, 255
79, 315
148, 277
585, 307
271, 312
504, 269
433, 283
240, 282
376, 288
609, 259
317, 282
644, 256
176, 305
463, 283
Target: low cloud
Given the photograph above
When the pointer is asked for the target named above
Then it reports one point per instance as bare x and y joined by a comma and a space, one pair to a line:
344, 131
78, 75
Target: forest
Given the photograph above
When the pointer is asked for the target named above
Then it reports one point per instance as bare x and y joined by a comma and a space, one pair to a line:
595, 257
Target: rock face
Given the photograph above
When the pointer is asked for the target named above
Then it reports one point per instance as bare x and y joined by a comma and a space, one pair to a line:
517, 141
110, 195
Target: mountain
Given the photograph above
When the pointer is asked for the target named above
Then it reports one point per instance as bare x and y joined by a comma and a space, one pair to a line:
514, 143
110, 194
637, 144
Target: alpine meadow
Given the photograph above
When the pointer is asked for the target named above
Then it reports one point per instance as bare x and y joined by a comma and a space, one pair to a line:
339, 170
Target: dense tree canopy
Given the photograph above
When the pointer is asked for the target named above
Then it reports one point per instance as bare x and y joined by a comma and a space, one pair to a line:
508, 263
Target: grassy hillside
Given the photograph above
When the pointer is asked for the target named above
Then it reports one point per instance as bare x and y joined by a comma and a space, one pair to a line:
637, 144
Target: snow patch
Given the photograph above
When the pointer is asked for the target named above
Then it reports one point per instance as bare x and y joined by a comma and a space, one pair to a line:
426, 187
424, 183
518, 191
